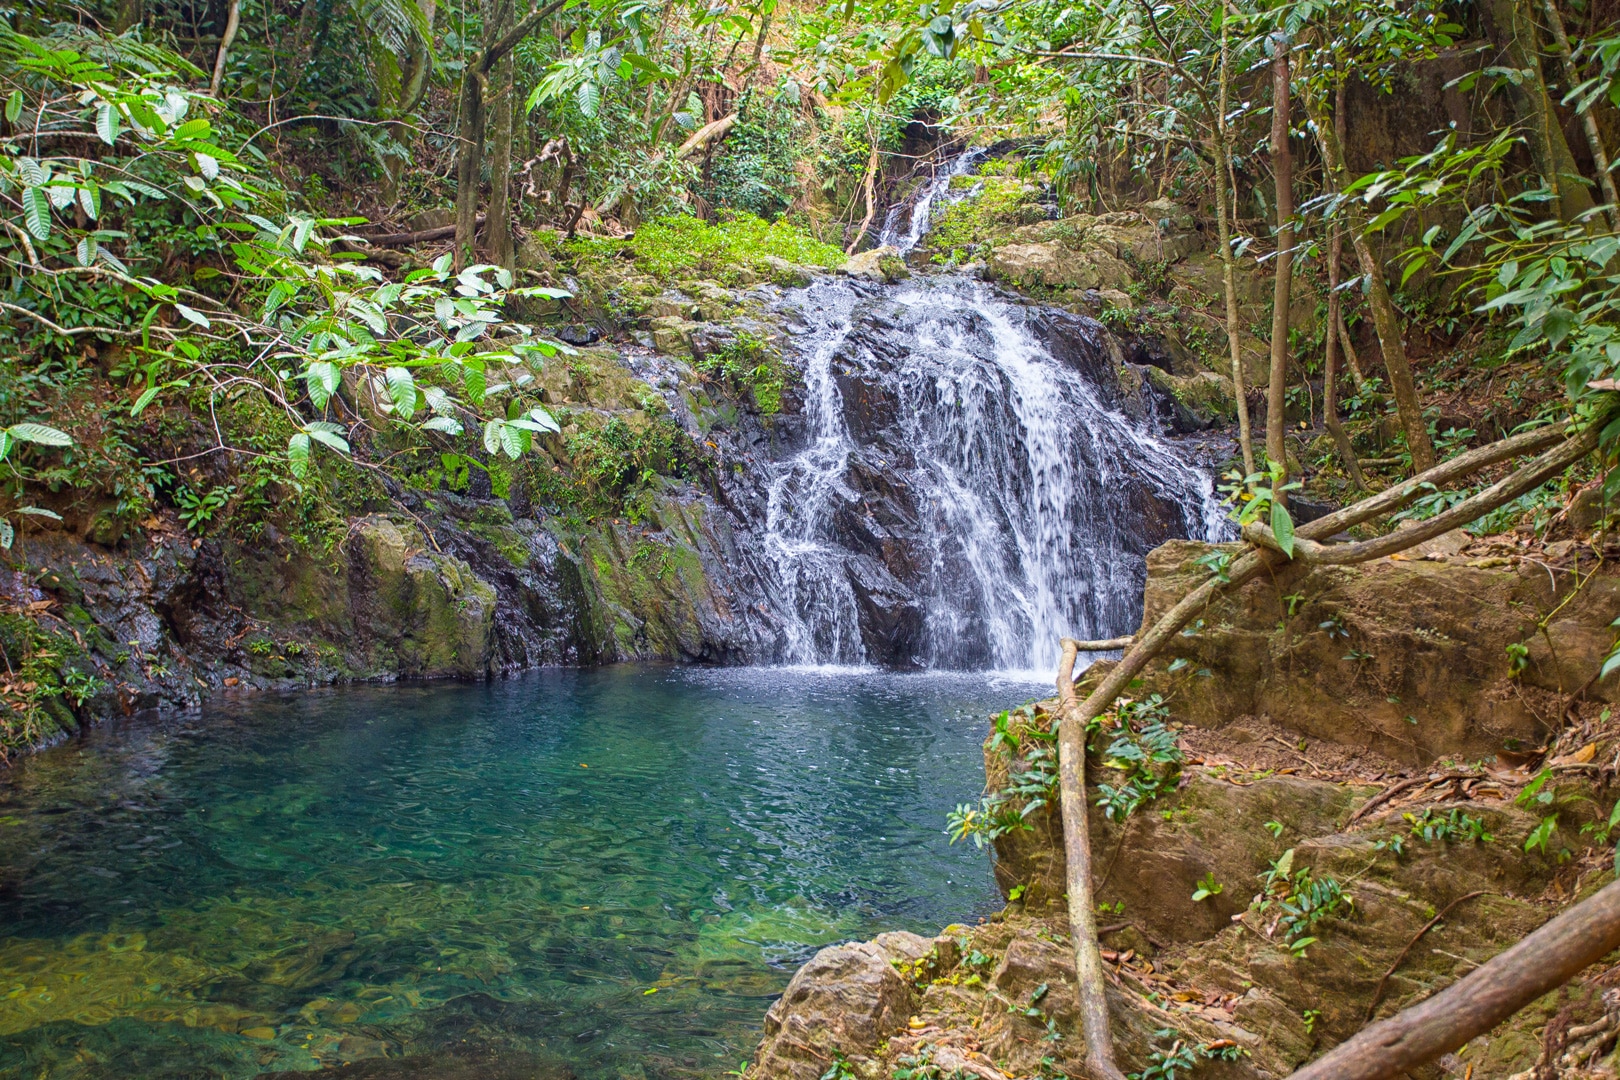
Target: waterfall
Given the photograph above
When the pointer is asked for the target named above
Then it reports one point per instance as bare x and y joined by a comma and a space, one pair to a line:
967, 491
923, 206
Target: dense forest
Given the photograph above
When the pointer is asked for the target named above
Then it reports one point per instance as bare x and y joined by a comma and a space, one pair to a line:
267, 265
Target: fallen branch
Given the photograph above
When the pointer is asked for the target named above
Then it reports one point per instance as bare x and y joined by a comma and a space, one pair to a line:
1378, 993
1525, 479
706, 136
1384, 796
1480, 1000
1077, 853
420, 236
1105, 645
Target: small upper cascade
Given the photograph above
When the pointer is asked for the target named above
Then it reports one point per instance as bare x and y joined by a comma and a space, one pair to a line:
906, 223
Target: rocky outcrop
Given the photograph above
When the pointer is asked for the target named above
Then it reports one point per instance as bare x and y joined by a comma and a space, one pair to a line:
1308, 864
1409, 656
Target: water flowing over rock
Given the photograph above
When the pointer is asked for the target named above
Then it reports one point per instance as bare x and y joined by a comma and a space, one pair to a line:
968, 489
907, 222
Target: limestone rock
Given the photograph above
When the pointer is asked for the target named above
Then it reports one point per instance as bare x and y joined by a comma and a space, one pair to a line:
881, 264
847, 998
1053, 264
787, 274
429, 608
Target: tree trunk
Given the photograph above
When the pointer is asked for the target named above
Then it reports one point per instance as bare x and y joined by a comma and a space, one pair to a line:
1225, 215
1330, 376
233, 21
1093, 986
1514, 32
1282, 167
469, 162
1594, 137
470, 113
1480, 1000
498, 233
1385, 318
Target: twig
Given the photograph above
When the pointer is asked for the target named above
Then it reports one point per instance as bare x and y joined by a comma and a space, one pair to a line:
1105, 645
1378, 993
1389, 793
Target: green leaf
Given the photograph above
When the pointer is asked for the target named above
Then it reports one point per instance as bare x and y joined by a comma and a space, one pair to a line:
144, 400
1282, 527
327, 434
447, 424
7, 533
14, 107
402, 389
37, 212
107, 123
191, 129
492, 435
38, 433
589, 98
194, 316
298, 455
322, 378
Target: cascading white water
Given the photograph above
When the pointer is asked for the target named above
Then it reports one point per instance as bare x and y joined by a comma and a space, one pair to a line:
964, 497
932, 197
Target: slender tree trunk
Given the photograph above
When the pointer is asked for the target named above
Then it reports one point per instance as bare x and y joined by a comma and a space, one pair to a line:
1330, 377
471, 114
498, 231
1093, 985
1357, 373
233, 21
1225, 215
130, 12
1282, 167
1385, 318
1514, 32
469, 163
1594, 137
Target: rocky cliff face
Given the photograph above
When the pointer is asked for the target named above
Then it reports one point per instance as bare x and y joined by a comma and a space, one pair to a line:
1358, 814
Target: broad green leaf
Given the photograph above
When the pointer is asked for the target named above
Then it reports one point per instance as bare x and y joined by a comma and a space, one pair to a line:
107, 123
402, 389
298, 455
37, 212
1282, 527
322, 378
322, 433
447, 424
144, 400
14, 107
193, 315
38, 433
492, 435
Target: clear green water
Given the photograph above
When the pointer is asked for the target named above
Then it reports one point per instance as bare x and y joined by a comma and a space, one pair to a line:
600, 874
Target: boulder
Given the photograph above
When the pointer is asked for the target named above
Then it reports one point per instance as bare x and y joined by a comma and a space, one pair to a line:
881, 264
789, 275
848, 999
1053, 264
